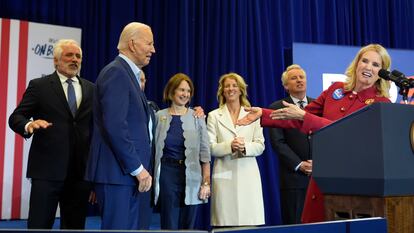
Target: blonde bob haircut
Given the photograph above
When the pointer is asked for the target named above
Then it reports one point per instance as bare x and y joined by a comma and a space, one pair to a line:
381, 85
289, 68
240, 83
173, 84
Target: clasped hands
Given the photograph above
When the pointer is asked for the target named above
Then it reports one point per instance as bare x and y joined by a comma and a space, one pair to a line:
238, 145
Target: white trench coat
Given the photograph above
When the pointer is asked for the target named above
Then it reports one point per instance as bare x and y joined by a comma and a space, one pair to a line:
237, 198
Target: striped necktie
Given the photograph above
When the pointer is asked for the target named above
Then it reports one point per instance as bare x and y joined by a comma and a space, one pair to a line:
301, 104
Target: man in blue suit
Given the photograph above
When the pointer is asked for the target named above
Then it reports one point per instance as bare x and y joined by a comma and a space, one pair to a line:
121, 141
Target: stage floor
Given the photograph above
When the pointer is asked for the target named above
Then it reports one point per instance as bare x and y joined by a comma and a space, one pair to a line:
92, 223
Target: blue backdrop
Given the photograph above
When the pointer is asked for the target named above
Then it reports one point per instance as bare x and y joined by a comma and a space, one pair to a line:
208, 38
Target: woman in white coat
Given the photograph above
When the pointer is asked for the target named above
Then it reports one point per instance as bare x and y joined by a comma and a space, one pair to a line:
237, 189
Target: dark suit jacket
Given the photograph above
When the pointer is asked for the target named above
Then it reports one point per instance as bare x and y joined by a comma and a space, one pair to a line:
153, 107
61, 150
292, 146
120, 141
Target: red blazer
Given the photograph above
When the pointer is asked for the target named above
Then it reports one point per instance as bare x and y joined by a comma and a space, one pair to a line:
333, 104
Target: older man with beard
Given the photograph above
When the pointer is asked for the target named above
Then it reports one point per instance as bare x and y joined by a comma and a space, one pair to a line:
57, 110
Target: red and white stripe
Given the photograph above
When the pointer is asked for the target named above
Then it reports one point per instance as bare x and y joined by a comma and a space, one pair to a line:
14, 188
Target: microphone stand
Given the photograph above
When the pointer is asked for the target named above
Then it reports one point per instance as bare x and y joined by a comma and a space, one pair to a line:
404, 89
404, 92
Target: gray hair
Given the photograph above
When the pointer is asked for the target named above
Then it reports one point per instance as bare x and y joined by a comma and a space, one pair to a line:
289, 68
58, 47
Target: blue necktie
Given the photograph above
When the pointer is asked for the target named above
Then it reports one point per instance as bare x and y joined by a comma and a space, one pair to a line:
71, 97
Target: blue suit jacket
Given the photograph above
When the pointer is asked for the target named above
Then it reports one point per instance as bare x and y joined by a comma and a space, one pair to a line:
120, 139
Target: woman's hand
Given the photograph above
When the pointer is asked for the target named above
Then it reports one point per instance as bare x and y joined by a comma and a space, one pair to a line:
204, 192
254, 114
238, 144
290, 112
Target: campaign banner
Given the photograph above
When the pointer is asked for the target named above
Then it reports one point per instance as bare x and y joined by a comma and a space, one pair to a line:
26, 52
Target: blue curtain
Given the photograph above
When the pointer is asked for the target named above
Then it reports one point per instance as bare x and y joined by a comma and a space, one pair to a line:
206, 39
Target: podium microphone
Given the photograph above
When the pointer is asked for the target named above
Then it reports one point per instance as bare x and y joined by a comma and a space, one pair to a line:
397, 77
400, 80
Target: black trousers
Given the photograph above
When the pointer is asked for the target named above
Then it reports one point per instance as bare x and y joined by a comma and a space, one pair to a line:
291, 201
45, 195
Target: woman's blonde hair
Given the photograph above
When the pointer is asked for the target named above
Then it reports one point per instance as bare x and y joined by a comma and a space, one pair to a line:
240, 83
382, 85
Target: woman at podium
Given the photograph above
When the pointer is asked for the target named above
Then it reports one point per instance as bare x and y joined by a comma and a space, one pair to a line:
362, 87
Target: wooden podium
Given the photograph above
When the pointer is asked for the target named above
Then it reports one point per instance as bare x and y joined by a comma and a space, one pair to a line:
398, 211
364, 163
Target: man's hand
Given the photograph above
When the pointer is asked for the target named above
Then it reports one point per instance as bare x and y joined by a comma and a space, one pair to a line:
254, 114
144, 181
306, 167
92, 198
199, 112
38, 124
